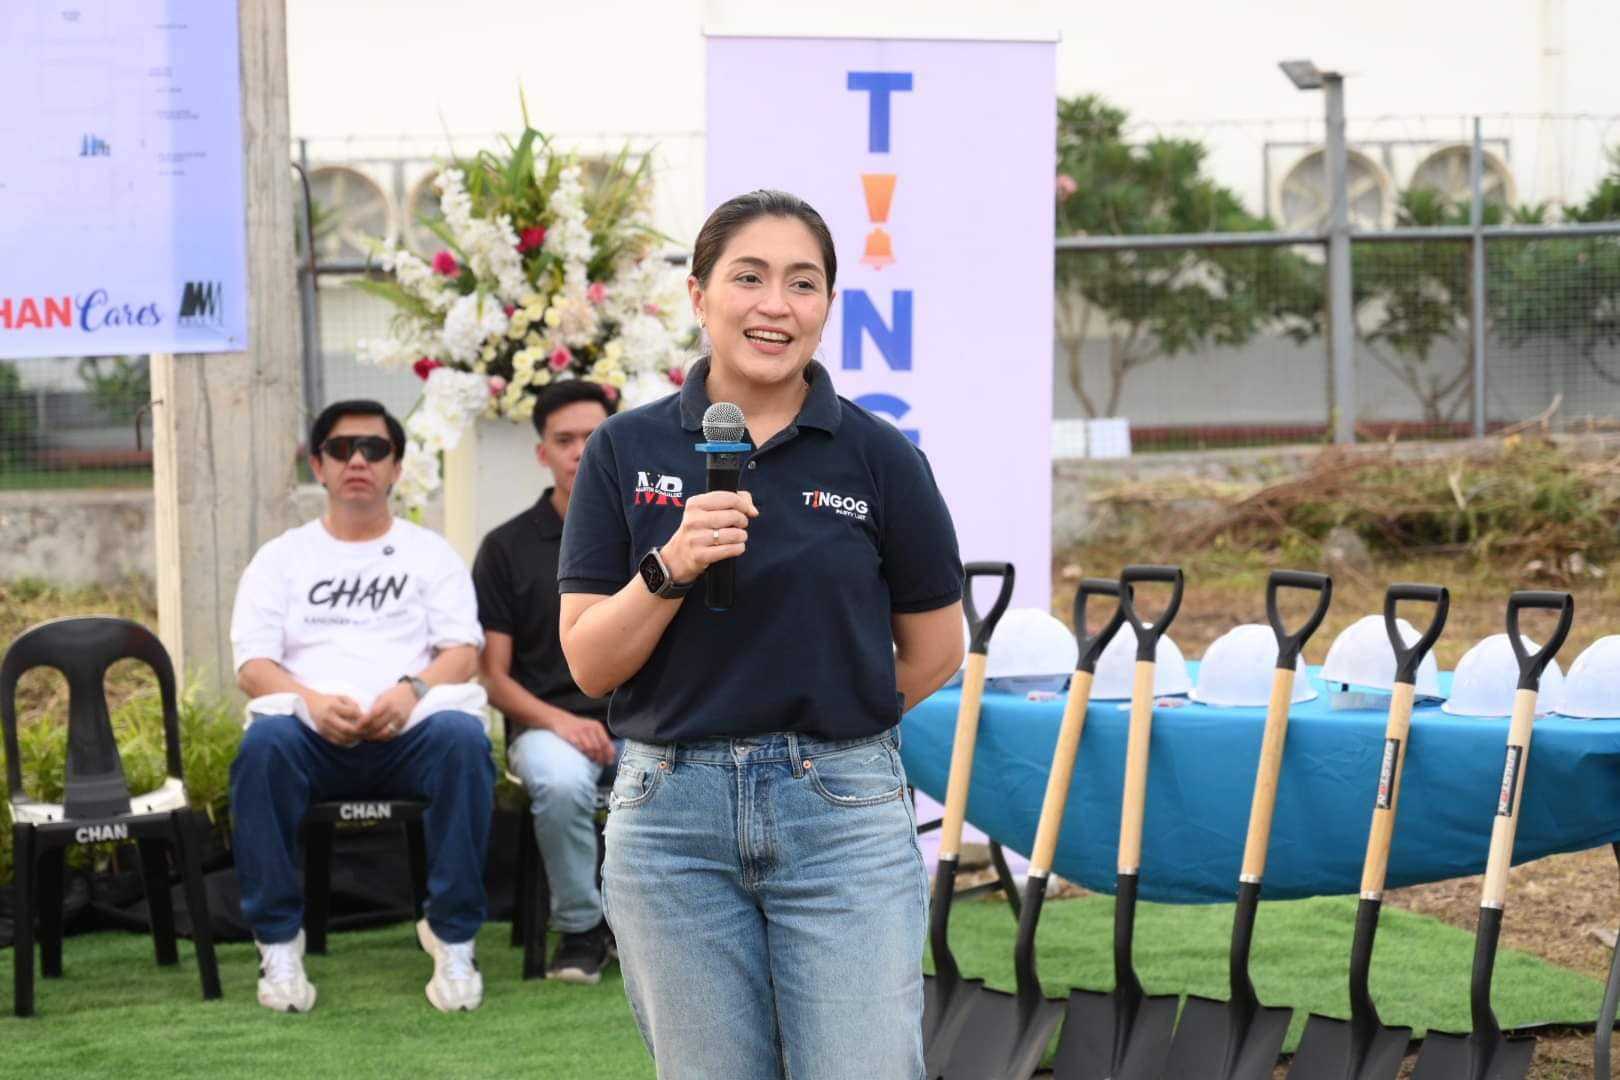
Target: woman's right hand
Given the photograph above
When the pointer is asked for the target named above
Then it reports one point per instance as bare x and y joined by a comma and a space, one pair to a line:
714, 528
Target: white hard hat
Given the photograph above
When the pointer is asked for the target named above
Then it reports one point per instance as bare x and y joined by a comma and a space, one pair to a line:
1592, 690
1031, 650
1237, 669
1362, 656
1116, 668
1488, 675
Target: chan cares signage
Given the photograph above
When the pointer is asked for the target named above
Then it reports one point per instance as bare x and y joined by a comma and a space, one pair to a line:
933, 163
121, 189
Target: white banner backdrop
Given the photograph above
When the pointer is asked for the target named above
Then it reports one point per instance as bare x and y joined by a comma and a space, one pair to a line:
122, 225
934, 164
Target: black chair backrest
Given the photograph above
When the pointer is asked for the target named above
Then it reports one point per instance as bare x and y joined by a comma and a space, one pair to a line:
82, 649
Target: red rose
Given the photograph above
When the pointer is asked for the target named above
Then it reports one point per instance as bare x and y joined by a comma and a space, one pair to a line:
610, 392
424, 367
531, 238
445, 263
507, 309
561, 358
677, 376
596, 293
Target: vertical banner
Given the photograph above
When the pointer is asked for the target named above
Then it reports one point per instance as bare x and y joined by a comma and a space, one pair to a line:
121, 192
933, 162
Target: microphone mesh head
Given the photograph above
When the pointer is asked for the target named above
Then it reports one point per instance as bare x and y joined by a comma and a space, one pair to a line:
723, 422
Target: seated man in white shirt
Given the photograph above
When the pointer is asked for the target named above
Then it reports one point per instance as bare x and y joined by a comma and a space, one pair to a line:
365, 629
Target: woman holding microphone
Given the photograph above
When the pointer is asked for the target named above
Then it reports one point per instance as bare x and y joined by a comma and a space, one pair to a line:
762, 875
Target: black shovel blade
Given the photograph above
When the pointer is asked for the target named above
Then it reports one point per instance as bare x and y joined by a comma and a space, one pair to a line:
1331, 1050
1225, 1040
953, 1004
1098, 1022
1479, 1056
999, 1036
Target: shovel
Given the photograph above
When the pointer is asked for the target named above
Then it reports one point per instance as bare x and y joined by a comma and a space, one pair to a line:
1240, 1039
947, 997
1487, 1053
1006, 1034
1125, 1034
1363, 1048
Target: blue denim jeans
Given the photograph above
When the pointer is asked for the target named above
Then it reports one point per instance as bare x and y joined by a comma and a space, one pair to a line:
283, 766
562, 785
770, 906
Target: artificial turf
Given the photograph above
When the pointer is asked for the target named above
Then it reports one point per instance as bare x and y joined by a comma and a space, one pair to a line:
115, 1014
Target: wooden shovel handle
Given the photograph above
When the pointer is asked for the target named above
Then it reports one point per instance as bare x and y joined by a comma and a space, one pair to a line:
1506, 826
1057, 784
1387, 802
1265, 778
967, 737
1136, 769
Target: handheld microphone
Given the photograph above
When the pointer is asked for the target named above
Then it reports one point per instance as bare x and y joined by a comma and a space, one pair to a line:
723, 431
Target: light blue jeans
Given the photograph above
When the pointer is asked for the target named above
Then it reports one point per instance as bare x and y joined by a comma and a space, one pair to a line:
770, 906
562, 784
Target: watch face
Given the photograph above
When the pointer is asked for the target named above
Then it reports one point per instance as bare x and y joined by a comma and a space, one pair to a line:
651, 573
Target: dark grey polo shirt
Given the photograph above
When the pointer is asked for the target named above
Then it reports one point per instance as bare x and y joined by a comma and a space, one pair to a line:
851, 530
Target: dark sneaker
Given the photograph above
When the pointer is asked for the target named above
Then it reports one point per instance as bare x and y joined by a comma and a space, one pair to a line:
581, 957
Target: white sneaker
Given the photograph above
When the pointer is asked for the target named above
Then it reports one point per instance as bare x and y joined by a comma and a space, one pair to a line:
282, 984
456, 985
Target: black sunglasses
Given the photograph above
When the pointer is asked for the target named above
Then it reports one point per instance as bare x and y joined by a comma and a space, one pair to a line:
373, 448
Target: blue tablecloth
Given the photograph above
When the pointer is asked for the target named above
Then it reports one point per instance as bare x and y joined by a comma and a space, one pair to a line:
1201, 780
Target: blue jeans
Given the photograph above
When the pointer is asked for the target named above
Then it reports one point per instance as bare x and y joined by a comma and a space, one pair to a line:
562, 785
770, 906
282, 767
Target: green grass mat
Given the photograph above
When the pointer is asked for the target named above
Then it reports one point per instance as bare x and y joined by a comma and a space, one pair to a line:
115, 1014
1301, 956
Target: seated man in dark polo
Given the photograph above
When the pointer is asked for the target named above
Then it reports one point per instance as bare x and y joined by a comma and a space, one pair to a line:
561, 748
356, 635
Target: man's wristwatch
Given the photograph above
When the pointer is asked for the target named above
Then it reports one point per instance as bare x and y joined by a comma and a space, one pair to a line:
659, 581
418, 686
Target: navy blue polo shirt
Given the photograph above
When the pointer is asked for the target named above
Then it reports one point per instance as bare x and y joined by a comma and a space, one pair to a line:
851, 530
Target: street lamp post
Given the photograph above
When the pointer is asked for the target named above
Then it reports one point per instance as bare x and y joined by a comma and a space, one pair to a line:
1341, 329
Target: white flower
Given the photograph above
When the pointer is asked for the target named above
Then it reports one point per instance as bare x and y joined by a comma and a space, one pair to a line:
470, 321
417, 277
490, 246
569, 237
418, 476
449, 403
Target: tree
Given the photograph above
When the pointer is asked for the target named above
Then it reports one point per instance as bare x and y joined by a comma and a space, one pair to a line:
1147, 304
16, 418
1563, 291
1411, 298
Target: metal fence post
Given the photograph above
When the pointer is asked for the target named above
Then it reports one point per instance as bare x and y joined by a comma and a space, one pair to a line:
1476, 218
1341, 327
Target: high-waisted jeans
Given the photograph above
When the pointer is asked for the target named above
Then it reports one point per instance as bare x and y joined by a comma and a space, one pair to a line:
770, 906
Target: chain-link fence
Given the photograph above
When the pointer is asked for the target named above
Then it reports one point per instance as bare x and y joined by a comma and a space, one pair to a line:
1222, 342
1190, 341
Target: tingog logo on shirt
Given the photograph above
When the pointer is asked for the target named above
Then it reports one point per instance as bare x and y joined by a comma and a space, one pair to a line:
842, 505
656, 489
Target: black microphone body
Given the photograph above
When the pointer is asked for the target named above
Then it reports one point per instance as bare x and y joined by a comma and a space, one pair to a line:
720, 579
723, 432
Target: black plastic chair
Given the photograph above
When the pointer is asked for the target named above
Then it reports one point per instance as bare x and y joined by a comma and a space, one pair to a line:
319, 830
97, 804
531, 894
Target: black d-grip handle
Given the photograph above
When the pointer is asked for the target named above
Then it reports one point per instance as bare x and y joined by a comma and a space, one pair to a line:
1409, 657
979, 630
1091, 648
1289, 645
1147, 637
1531, 666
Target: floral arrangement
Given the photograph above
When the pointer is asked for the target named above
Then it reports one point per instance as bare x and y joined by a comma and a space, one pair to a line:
546, 274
